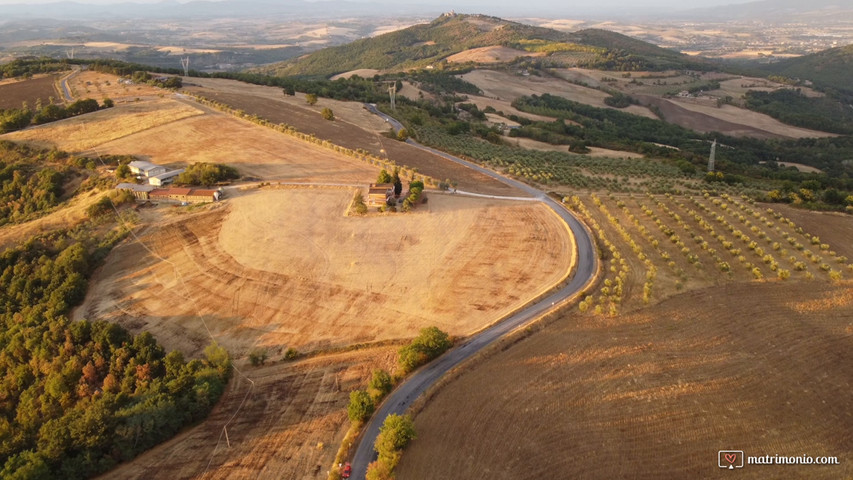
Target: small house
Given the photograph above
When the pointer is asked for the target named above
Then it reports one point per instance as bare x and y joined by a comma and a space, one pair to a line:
378, 193
148, 169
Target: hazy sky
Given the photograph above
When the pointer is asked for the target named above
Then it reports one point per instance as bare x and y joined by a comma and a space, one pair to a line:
562, 4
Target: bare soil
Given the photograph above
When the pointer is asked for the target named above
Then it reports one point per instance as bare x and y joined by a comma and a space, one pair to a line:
285, 268
354, 128
40, 87
656, 393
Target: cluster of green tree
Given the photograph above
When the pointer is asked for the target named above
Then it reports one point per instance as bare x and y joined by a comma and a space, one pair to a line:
76, 398
142, 76
28, 66
618, 99
815, 194
16, 119
206, 174
601, 127
31, 181
416, 191
395, 434
429, 344
443, 82
791, 106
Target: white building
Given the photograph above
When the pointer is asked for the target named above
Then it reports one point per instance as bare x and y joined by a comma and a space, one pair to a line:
165, 178
141, 167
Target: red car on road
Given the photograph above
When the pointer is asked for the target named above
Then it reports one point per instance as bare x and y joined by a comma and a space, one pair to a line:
347, 471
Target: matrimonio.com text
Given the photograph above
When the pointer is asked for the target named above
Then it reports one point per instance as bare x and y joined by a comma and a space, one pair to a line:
734, 459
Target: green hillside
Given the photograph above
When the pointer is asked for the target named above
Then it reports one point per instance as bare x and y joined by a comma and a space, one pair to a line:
428, 44
829, 69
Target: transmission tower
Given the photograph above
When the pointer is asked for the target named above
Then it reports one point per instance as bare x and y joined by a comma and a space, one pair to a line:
711, 158
185, 62
70, 54
392, 92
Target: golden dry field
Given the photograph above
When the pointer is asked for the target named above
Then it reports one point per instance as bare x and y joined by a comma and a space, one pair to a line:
742, 343
91, 84
492, 54
286, 268
88, 131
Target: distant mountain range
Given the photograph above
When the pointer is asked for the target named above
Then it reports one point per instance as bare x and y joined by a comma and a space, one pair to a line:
69, 10
778, 10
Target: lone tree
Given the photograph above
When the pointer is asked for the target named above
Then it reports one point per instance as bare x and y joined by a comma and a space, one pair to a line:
395, 179
328, 114
384, 177
311, 98
402, 135
360, 406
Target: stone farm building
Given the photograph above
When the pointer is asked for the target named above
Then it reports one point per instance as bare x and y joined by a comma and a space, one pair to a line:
378, 193
177, 195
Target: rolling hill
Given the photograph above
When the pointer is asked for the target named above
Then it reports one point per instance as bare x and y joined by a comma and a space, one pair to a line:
428, 44
827, 69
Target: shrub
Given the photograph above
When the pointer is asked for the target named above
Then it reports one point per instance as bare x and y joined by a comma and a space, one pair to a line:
429, 344
258, 357
328, 114
360, 406
291, 354
394, 435
380, 384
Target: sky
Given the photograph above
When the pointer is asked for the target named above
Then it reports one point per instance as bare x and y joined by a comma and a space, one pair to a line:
561, 4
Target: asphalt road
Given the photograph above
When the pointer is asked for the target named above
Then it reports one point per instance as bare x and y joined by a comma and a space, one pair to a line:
405, 394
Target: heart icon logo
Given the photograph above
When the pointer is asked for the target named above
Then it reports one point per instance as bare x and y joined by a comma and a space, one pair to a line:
731, 457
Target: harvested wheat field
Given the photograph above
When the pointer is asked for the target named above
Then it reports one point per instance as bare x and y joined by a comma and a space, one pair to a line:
285, 268
97, 85
255, 151
283, 420
87, 131
656, 393
354, 128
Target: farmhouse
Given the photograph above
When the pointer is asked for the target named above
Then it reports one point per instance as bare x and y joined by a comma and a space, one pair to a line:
179, 195
139, 191
378, 193
141, 167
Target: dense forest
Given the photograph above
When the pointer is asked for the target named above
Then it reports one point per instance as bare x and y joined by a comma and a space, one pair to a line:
18, 118
791, 106
78, 397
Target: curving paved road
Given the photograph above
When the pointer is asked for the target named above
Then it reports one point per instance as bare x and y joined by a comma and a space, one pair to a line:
402, 397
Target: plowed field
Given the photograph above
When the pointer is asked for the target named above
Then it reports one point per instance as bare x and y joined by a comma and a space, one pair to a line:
285, 268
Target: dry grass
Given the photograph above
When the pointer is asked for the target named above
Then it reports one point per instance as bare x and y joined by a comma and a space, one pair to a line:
285, 268
91, 130
91, 84
492, 54
253, 150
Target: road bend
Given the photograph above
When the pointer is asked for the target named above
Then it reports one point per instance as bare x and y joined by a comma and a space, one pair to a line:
406, 393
